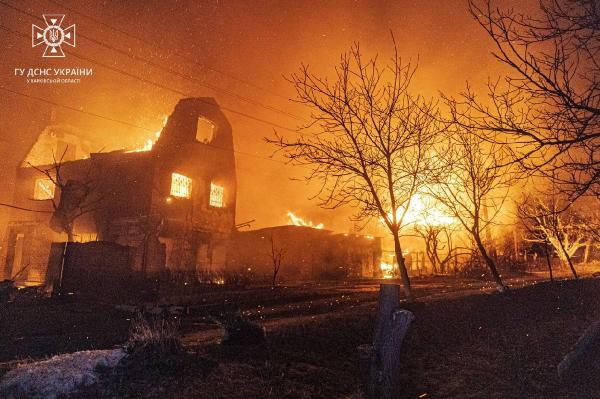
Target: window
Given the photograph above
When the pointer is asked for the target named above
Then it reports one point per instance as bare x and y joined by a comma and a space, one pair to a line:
204, 131
44, 189
216, 196
181, 186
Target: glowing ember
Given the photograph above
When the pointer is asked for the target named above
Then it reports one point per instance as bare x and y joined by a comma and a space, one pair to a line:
387, 270
298, 221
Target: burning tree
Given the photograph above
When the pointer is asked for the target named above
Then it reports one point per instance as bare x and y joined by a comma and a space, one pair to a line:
373, 146
548, 108
77, 197
470, 182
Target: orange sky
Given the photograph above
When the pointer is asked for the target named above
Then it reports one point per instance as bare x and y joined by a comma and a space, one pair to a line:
251, 41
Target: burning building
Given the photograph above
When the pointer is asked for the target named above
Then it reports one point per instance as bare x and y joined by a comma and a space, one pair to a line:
307, 253
172, 203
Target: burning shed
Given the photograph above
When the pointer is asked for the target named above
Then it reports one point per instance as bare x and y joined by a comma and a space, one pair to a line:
172, 202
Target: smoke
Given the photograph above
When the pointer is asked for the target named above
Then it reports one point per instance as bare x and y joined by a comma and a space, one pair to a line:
237, 52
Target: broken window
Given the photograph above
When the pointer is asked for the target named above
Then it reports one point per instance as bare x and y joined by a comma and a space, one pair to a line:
216, 196
205, 131
44, 189
181, 186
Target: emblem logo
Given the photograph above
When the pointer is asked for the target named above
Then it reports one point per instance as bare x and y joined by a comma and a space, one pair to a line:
53, 35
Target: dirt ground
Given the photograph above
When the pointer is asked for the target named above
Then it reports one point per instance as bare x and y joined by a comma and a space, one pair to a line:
466, 342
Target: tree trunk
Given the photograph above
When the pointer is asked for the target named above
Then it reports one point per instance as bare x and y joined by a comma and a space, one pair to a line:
275, 273
490, 264
402, 268
380, 362
515, 245
548, 261
568, 259
431, 252
432, 260
586, 254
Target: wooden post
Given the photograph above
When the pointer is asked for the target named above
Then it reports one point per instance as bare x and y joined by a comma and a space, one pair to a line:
380, 362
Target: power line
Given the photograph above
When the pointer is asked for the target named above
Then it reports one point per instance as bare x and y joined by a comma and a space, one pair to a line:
169, 70
75, 109
129, 124
159, 85
175, 52
23, 209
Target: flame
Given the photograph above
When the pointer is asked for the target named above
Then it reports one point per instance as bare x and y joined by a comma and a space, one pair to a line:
150, 142
387, 270
298, 221
423, 211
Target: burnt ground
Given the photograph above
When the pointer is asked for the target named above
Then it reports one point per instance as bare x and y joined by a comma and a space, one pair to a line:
464, 343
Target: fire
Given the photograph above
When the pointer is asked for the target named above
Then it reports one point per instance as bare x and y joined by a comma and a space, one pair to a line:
298, 221
150, 142
423, 211
387, 270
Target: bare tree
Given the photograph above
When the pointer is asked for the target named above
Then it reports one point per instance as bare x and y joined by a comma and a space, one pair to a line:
277, 253
372, 150
470, 183
564, 230
77, 197
439, 245
431, 235
535, 235
548, 107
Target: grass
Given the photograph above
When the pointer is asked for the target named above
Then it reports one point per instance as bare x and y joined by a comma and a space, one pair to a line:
154, 335
480, 346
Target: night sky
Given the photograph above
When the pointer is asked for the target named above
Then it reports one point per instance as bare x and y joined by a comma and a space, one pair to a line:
235, 51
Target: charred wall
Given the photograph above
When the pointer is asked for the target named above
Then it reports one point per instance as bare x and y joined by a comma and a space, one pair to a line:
196, 232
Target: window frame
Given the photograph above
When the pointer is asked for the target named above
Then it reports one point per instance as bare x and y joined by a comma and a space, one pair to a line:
217, 191
41, 190
186, 182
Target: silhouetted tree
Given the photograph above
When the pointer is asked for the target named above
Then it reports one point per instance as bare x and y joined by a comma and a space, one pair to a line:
550, 224
373, 146
77, 196
439, 246
469, 183
276, 253
548, 107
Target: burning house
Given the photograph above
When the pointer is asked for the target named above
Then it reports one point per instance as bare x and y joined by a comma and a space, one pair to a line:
171, 204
